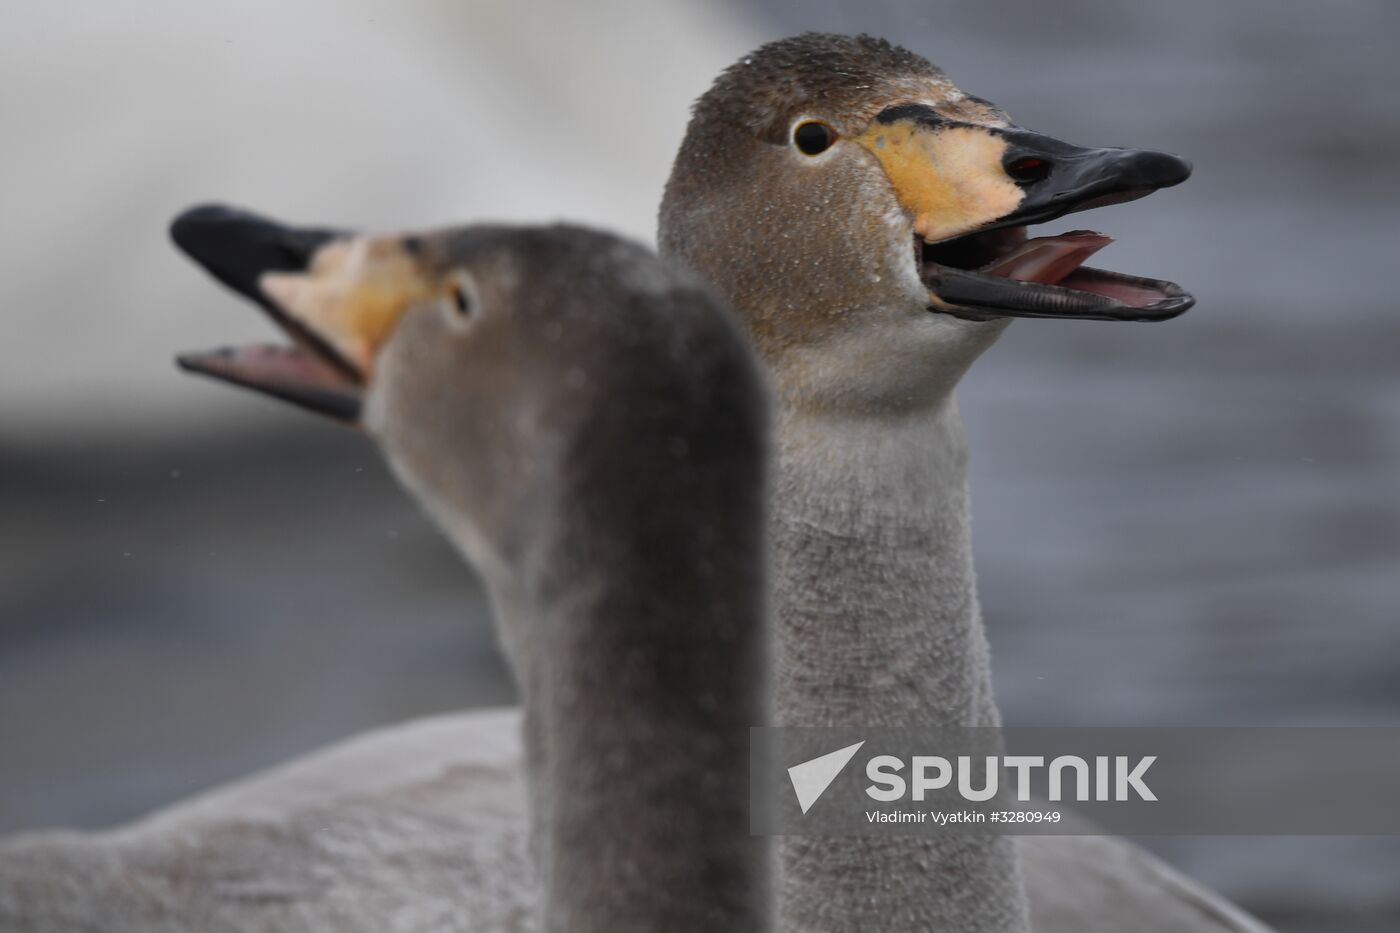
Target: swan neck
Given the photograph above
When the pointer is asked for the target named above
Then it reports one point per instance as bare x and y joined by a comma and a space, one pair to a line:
874, 573
640, 650
879, 626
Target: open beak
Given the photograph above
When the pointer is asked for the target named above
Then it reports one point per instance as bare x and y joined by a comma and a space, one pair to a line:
973, 189
337, 296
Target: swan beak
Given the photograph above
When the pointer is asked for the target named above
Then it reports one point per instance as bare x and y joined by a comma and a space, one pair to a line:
948, 176
337, 296
971, 189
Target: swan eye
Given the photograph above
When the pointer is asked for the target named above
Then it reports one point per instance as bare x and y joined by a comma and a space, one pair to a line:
461, 300
813, 137
1028, 169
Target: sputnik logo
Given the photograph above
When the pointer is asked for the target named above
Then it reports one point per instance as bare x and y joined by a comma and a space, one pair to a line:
810, 779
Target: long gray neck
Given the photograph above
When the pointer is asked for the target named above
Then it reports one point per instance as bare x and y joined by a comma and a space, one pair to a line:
641, 647
878, 625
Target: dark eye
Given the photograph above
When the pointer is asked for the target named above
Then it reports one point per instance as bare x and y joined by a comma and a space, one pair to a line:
462, 299
813, 138
461, 302
1028, 169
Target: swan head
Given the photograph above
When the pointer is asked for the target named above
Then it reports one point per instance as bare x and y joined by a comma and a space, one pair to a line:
509, 374
869, 219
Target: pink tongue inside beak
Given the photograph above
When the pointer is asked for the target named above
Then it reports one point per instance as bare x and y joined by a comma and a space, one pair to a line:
1048, 259
270, 366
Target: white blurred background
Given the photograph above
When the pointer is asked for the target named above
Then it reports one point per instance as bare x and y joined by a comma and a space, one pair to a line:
1196, 523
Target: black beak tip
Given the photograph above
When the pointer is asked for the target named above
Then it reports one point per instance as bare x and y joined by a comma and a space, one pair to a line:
237, 246
192, 229
199, 361
1169, 308
1148, 169
232, 245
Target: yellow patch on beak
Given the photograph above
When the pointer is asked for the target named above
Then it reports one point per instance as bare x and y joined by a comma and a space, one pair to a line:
950, 178
352, 295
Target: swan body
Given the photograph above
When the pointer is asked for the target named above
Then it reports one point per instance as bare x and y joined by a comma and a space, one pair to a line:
419, 827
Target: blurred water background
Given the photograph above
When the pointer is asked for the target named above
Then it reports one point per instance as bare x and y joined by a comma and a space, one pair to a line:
1195, 523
